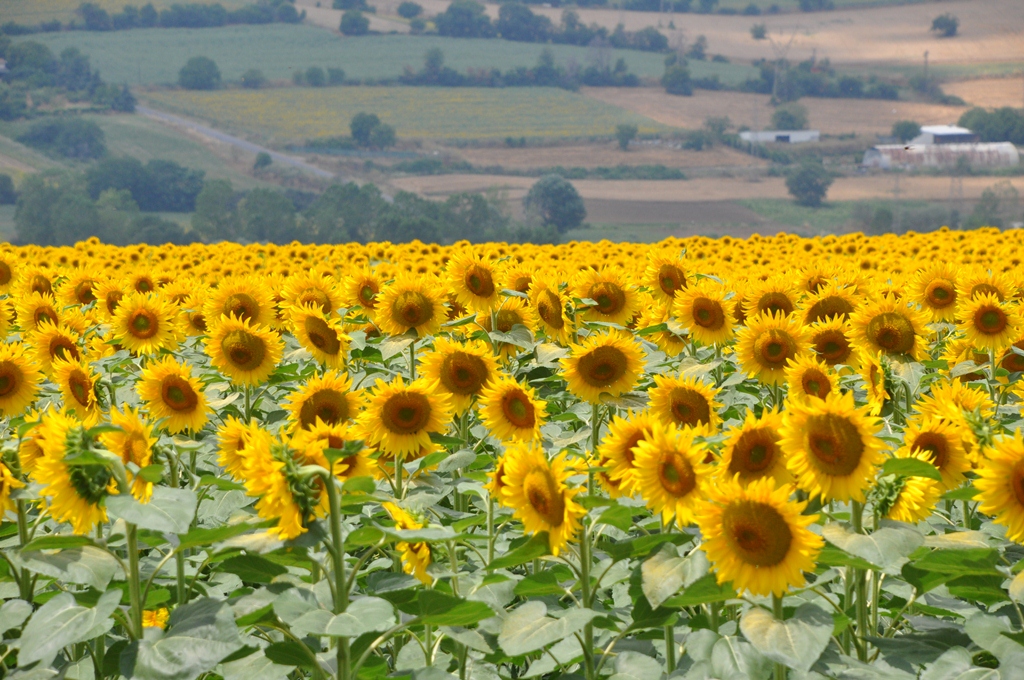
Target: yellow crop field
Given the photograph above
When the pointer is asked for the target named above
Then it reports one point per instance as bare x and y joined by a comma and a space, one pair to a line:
295, 114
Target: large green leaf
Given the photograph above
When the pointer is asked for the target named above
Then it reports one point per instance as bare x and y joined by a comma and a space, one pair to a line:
639, 547
664, 573
200, 634
796, 642
911, 467
364, 615
528, 628
13, 613
703, 591
85, 564
252, 568
957, 664
536, 547
170, 510
256, 666
887, 548
62, 622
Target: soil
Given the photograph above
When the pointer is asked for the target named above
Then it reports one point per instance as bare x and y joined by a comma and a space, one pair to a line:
989, 92
606, 155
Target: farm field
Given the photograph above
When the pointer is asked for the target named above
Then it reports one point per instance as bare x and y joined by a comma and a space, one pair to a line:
154, 56
989, 92
831, 116
604, 155
296, 114
32, 12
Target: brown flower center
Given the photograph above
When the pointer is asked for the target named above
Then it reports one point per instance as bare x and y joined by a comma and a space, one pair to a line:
517, 408
990, 320
986, 289
940, 293
243, 306
317, 297
80, 387
5, 273
774, 348
143, 324
708, 313
11, 378
670, 279
549, 308
541, 489
833, 305
835, 444
893, 332
63, 347
368, 294
689, 407
774, 302
755, 451
815, 383
322, 336
479, 281
83, 292
44, 313
328, 405
676, 474
610, 298
112, 301
411, 309
757, 533
463, 373
245, 351
602, 366
1017, 481
935, 445
177, 394
406, 413
832, 346
40, 284
1012, 362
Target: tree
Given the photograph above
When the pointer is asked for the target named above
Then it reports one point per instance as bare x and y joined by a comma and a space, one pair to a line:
382, 136
173, 187
117, 211
263, 160
625, 133
555, 201
345, 213
215, 218
945, 25
253, 79
53, 209
123, 101
517, 22
157, 231
354, 23
199, 73
70, 137
7, 194
464, 19
1001, 125
409, 10
792, 116
315, 76
759, 31
816, 5
676, 79
122, 174
905, 130
350, 4
335, 76
13, 103
362, 125
809, 183
268, 216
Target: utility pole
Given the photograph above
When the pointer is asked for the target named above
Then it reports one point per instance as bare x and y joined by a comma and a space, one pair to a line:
781, 52
926, 66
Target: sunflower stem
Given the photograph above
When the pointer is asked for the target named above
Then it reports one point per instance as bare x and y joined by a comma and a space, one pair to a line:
179, 556
248, 404
595, 437
24, 577
588, 630
134, 583
490, 529
670, 649
780, 616
399, 491
338, 560
859, 584
412, 360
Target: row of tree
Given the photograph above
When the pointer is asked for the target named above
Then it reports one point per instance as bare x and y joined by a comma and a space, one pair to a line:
1000, 125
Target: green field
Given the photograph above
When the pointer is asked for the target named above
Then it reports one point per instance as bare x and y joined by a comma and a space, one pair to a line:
794, 5
32, 12
154, 56
289, 115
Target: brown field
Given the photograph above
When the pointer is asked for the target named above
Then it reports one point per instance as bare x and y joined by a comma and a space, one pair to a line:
989, 92
319, 12
989, 31
606, 155
831, 116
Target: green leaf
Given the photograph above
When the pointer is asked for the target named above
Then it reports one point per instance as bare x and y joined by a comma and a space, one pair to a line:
974, 562
87, 565
797, 642
887, 548
288, 653
364, 615
424, 535
357, 485
56, 542
528, 628
639, 547
200, 634
831, 556
198, 537
985, 589
966, 493
252, 568
636, 666
222, 484
618, 516
62, 622
703, 591
536, 547
152, 473
439, 609
911, 467
170, 510
256, 666
13, 613
664, 573
539, 584
657, 328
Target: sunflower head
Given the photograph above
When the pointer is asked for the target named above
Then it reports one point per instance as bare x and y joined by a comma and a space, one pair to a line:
935, 290
611, 297
400, 417
752, 450
671, 472
892, 327
461, 370
548, 304
603, 363
987, 323
768, 343
686, 402
665, 275
510, 410
619, 448
473, 280
1001, 484
145, 323
410, 303
173, 394
20, 379
706, 311
245, 298
329, 397
808, 377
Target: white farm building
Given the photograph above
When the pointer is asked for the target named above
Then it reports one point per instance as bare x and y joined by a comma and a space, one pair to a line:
942, 146
781, 136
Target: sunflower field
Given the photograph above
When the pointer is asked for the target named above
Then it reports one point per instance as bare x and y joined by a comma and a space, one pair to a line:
706, 458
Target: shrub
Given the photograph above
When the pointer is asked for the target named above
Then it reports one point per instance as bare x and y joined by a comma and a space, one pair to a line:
335, 76
815, 5
945, 25
905, 130
1001, 125
350, 4
792, 116
354, 23
253, 79
676, 80
625, 133
8, 196
362, 125
809, 183
382, 136
199, 73
555, 202
263, 160
409, 10
759, 31
315, 77
68, 137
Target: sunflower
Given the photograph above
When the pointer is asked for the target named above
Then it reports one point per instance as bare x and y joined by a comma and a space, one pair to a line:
34, 280
548, 304
757, 538
8, 483
987, 323
619, 447
145, 323
808, 377
673, 340
513, 312
171, 392
140, 282
471, 279
52, 342
959, 350
193, 319
310, 445
134, 444
73, 492
935, 290
831, 448
155, 618
35, 309
77, 384
942, 443
8, 269
613, 299
232, 440
400, 417
979, 282
670, 473
664, 276
410, 303
416, 557
603, 363
362, 290
329, 397
752, 450
536, 489
517, 277
873, 371
271, 474
1001, 485
687, 402
460, 370
775, 294
831, 300
320, 335
908, 499
510, 410
767, 343
314, 287
1011, 360
77, 290
243, 297
245, 353
109, 293
495, 484
704, 309
20, 379
892, 327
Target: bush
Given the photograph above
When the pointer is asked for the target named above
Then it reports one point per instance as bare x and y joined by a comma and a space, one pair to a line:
677, 80
315, 77
335, 76
555, 202
8, 196
792, 116
809, 183
158, 186
625, 133
361, 125
1001, 125
199, 73
815, 5
13, 103
354, 23
350, 4
409, 10
945, 25
382, 136
759, 31
905, 130
263, 160
464, 19
253, 79
68, 137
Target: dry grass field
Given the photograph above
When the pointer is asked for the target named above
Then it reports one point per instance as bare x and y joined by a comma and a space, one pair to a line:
989, 92
33, 12
831, 116
605, 155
